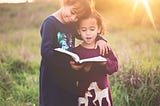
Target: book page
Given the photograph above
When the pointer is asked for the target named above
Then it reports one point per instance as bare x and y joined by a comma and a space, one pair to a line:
77, 59
73, 55
93, 59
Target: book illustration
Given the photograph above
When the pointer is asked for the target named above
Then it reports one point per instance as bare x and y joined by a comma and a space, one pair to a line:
65, 40
78, 60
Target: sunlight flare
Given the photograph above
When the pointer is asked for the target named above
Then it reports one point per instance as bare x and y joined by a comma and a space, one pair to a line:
135, 6
148, 10
145, 2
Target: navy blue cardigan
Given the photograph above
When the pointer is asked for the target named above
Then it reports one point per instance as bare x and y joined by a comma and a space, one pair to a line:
57, 79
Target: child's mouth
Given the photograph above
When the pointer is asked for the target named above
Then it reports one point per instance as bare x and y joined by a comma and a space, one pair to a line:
88, 38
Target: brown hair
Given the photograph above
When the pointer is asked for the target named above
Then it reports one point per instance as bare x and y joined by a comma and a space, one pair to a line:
83, 7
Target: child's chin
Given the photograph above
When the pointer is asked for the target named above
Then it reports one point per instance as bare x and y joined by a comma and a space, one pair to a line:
89, 41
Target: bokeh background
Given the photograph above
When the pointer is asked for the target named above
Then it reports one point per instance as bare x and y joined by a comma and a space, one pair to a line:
133, 32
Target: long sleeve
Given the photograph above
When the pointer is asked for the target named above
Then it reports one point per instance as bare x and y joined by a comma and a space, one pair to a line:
49, 42
112, 62
100, 38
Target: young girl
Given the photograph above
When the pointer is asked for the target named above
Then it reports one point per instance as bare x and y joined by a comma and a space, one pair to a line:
93, 85
57, 80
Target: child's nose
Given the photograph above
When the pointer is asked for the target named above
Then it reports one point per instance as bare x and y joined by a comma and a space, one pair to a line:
88, 32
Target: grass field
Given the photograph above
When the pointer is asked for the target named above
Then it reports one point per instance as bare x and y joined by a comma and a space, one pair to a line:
133, 38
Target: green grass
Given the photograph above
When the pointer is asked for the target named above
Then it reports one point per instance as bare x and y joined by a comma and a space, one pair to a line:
137, 46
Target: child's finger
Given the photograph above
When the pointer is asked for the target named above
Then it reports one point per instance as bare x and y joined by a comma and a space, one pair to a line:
106, 50
72, 62
100, 50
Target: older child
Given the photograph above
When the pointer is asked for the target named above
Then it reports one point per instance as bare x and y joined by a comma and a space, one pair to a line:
57, 80
93, 85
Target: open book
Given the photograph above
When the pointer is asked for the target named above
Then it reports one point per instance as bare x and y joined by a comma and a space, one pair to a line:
77, 59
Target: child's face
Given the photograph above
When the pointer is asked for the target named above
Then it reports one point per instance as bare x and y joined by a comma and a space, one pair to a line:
69, 14
88, 29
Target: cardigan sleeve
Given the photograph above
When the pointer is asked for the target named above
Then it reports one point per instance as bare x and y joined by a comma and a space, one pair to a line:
49, 43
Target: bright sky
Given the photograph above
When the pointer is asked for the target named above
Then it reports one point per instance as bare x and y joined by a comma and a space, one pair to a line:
148, 10
15, 1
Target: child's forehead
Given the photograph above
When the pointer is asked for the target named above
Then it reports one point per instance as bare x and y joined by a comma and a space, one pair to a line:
90, 19
88, 22
78, 4
77, 7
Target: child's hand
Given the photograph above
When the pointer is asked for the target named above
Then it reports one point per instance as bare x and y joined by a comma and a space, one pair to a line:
103, 47
102, 63
76, 66
87, 67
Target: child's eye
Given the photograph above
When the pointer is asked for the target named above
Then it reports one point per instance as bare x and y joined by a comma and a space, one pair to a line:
92, 29
83, 30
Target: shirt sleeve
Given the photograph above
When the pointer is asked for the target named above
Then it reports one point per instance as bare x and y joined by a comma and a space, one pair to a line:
100, 38
49, 43
112, 62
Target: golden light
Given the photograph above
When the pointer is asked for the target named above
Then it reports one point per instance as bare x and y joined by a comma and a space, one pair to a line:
148, 10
